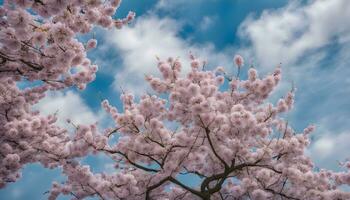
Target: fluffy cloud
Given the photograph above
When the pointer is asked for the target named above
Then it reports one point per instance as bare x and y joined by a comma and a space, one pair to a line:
330, 148
150, 37
68, 105
287, 34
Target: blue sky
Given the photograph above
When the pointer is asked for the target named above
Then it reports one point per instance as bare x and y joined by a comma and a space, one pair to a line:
310, 38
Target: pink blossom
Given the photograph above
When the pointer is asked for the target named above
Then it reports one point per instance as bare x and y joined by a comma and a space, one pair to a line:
91, 44
238, 60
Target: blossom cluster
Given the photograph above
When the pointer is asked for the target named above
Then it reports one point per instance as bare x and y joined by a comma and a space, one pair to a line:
39, 51
44, 46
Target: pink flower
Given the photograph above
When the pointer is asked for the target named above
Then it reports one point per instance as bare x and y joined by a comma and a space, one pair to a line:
39, 38
238, 60
91, 44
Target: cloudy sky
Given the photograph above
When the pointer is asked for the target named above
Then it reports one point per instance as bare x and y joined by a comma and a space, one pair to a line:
310, 38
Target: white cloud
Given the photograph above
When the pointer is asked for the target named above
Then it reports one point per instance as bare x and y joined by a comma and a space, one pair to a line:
323, 147
329, 149
150, 37
68, 105
285, 35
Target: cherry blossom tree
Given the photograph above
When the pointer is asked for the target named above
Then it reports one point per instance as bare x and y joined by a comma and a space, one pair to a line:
230, 137
207, 123
39, 47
